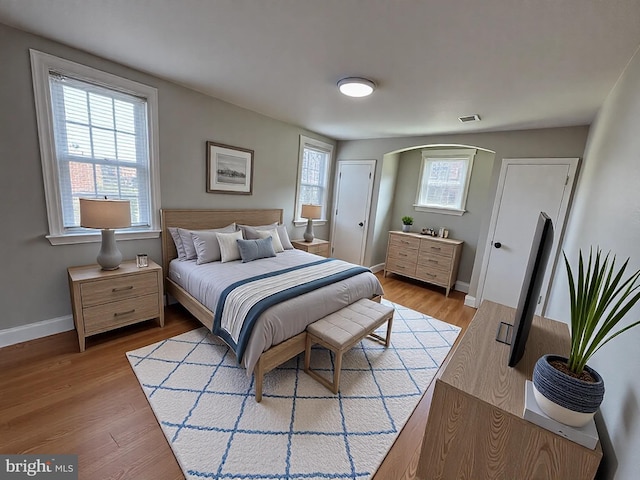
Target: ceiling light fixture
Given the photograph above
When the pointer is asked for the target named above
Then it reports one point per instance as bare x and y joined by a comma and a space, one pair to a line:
356, 86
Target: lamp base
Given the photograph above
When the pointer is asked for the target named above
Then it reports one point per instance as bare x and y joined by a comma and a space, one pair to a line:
308, 233
109, 257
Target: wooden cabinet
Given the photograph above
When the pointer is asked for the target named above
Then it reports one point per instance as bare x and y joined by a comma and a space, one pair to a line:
106, 299
429, 259
476, 428
317, 246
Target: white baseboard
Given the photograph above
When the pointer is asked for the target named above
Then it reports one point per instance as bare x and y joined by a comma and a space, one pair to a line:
24, 333
377, 268
461, 287
470, 301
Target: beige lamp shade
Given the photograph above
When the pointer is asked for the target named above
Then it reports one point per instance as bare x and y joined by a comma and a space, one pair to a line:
104, 213
311, 211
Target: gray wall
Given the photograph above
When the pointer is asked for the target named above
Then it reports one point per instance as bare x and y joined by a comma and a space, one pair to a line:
34, 284
465, 227
383, 201
551, 142
606, 212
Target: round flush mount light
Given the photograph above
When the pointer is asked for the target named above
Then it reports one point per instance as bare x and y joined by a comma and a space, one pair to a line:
356, 86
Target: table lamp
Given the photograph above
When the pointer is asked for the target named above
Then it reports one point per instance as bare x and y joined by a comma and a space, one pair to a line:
310, 212
106, 215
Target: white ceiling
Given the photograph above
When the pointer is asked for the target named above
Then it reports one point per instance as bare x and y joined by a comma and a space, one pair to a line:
517, 63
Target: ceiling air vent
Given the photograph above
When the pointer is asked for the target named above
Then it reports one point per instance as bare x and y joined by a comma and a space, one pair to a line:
470, 118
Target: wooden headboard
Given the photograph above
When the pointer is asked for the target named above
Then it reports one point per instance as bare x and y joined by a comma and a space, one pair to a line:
200, 219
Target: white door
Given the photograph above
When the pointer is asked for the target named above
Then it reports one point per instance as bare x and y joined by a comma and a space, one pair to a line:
526, 187
354, 184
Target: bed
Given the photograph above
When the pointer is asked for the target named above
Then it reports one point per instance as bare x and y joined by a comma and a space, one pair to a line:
279, 332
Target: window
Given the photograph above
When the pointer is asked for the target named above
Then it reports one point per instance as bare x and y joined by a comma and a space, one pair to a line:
444, 180
313, 176
98, 138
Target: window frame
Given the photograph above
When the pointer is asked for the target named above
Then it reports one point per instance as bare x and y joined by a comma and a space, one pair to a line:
429, 155
308, 142
41, 65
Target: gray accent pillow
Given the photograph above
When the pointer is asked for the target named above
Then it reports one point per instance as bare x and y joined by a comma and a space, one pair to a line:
251, 250
187, 240
229, 246
207, 247
178, 243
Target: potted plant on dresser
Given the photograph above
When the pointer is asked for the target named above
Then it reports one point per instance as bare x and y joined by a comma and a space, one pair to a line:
567, 389
406, 223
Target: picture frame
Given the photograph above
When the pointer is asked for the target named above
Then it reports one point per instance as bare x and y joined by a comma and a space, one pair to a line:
229, 169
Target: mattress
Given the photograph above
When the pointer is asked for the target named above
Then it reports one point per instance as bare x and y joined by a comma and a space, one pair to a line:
282, 321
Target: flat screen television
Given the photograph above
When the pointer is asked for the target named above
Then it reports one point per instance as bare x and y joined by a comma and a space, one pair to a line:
531, 286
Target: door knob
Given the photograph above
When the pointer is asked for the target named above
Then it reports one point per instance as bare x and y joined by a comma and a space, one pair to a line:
497, 244
361, 224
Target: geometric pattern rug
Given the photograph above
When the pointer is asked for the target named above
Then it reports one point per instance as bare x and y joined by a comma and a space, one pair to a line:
204, 403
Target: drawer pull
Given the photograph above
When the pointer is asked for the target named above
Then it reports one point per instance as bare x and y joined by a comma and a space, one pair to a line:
436, 248
400, 267
403, 254
122, 289
405, 242
119, 314
431, 275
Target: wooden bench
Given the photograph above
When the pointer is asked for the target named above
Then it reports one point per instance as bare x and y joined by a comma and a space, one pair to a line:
341, 330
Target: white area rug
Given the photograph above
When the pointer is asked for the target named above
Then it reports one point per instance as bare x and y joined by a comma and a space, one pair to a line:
205, 403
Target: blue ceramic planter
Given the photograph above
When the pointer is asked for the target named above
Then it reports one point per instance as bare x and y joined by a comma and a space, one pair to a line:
566, 391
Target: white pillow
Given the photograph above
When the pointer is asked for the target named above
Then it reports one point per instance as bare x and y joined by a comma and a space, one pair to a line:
273, 233
250, 233
284, 237
187, 240
229, 246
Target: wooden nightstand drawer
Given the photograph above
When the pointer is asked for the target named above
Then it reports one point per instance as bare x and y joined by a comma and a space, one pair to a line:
319, 249
108, 316
119, 288
317, 246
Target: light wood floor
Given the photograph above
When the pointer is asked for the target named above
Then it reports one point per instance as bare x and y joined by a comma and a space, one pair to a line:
55, 400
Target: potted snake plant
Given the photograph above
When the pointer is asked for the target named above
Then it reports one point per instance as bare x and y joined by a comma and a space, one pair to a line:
567, 389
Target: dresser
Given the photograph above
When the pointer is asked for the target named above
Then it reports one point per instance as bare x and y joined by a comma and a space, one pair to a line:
317, 246
103, 300
429, 259
475, 427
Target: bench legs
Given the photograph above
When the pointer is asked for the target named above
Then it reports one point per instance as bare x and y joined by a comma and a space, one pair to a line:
312, 339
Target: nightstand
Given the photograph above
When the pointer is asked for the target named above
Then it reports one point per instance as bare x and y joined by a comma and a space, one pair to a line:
103, 300
317, 246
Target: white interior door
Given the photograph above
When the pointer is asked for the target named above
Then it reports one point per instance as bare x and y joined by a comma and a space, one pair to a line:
526, 188
354, 184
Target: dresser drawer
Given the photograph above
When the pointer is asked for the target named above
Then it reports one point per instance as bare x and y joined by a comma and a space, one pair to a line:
404, 241
436, 248
430, 260
403, 253
119, 288
101, 318
400, 266
432, 275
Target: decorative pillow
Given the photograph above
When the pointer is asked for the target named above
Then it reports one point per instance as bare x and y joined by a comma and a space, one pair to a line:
229, 246
207, 247
249, 231
272, 233
284, 237
178, 242
187, 241
251, 250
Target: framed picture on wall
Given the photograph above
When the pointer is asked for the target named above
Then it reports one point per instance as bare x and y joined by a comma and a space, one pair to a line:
229, 169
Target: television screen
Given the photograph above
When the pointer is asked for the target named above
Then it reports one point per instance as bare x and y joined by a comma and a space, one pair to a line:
531, 285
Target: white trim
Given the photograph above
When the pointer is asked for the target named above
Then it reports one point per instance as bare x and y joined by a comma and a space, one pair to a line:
558, 229
461, 286
470, 301
377, 268
44, 328
73, 238
320, 145
444, 211
41, 65
303, 223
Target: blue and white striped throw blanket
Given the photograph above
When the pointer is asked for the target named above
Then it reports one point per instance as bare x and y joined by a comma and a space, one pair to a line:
241, 303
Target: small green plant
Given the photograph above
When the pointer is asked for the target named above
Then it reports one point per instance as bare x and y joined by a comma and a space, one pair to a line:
600, 299
406, 220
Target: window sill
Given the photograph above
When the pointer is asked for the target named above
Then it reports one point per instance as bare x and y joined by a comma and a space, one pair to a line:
303, 223
444, 211
74, 238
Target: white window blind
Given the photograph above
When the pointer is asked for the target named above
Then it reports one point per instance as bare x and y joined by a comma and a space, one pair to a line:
313, 174
101, 146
